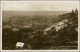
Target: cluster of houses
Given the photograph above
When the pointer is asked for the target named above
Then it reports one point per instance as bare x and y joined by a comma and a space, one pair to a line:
57, 26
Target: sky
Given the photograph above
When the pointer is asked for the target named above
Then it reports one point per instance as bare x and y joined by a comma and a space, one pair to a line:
39, 5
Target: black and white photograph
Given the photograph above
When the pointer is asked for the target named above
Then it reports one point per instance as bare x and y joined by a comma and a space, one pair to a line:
40, 25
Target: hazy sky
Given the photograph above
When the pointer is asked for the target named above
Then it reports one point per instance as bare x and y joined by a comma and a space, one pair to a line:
39, 5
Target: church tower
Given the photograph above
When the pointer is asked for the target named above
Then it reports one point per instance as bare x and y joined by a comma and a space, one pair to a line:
76, 11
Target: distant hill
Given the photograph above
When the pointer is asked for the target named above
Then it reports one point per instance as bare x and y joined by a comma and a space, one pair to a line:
26, 13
